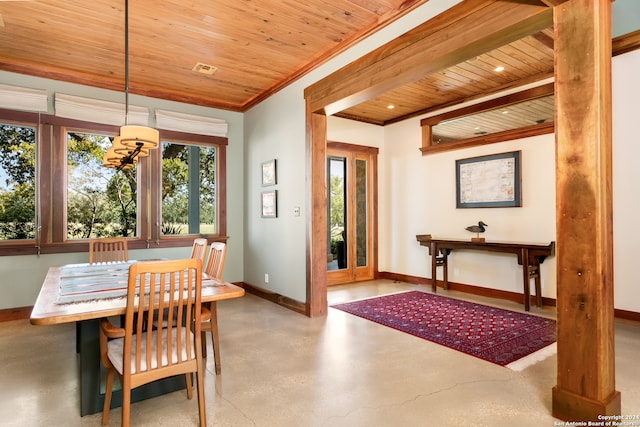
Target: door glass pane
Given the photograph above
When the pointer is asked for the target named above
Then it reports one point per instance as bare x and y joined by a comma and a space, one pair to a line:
337, 213
361, 213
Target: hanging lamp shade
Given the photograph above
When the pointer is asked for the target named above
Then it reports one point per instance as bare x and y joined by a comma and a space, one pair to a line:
133, 136
111, 159
123, 150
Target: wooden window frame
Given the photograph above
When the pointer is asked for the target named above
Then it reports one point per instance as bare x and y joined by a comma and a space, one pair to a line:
427, 124
51, 180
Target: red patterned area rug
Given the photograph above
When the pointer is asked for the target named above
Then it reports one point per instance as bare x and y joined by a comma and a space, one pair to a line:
493, 334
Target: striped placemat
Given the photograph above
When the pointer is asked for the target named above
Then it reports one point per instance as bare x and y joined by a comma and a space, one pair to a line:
89, 282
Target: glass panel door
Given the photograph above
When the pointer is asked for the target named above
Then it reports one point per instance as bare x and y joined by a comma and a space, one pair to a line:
337, 213
361, 213
350, 209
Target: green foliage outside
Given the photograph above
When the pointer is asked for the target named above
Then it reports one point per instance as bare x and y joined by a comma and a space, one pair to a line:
101, 202
175, 188
17, 182
336, 220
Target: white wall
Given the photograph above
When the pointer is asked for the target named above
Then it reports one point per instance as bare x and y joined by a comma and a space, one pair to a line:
22, 276
418, 196
625, 17
276, 246
626, 179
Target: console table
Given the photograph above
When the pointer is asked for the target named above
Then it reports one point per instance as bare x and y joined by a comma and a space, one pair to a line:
530, 256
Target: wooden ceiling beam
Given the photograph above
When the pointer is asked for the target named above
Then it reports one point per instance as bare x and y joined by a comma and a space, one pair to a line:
460, 33
626, 43
503, 101
544, 39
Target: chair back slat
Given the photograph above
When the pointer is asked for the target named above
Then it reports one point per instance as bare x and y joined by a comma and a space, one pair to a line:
199, 249
108, 250
165, 298
215, 263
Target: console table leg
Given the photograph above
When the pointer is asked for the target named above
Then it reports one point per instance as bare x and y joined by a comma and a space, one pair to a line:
535, 273
526, 278
434, 264
445, 271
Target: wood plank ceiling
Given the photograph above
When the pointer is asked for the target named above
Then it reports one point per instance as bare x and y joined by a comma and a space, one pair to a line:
255, 48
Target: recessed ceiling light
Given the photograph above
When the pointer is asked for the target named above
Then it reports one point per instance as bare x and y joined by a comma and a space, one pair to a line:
498, 68
391, 106
204, 69
505, 112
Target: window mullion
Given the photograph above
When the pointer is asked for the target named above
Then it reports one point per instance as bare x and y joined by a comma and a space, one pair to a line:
194, 189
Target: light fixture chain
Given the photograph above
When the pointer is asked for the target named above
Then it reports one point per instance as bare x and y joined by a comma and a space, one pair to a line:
126, 62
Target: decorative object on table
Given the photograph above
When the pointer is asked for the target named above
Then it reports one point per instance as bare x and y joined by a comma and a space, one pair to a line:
269, 202
489, 181
477, 229
269, 176
496, 335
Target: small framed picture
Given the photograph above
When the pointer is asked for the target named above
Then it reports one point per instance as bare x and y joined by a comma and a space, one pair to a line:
269, 172
269, 204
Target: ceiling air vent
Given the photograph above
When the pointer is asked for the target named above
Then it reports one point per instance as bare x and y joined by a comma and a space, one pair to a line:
205, 69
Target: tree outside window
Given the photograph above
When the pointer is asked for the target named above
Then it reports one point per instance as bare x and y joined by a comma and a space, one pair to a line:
53, 197
188, 189
17, 182
101, 202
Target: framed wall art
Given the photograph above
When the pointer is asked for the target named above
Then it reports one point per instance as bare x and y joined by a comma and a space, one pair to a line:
269, 204
269, 176
489, 181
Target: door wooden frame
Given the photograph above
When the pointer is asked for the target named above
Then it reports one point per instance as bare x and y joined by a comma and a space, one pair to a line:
370, 154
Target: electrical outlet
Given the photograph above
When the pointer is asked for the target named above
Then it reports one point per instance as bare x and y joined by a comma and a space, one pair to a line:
296, 211
266, 277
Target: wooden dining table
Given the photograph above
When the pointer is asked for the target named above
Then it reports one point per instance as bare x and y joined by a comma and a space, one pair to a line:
85, 293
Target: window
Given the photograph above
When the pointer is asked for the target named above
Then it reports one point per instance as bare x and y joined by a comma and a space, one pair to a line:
17, 181
518, 115
54, 196
188, 189
101, 202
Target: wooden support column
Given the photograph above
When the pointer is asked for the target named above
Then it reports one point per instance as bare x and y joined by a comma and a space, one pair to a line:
316, 214
586, 365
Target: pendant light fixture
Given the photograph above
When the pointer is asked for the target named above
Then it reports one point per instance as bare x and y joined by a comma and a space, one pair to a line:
134, 141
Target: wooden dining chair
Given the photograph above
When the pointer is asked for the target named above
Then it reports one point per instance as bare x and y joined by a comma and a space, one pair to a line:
141, 356
213, 269
108, 250
102, 250
199, 249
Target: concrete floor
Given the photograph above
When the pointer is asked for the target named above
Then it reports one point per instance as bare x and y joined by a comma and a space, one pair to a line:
281, 369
